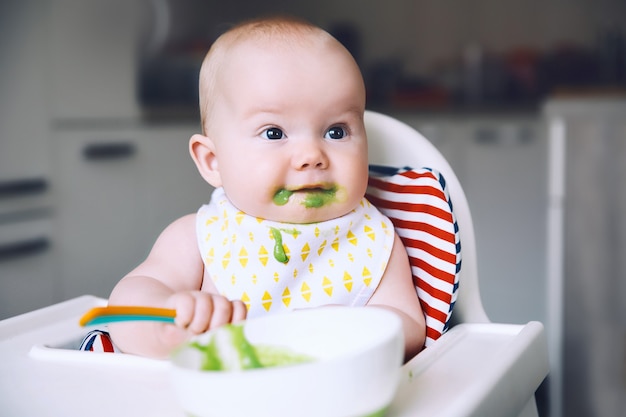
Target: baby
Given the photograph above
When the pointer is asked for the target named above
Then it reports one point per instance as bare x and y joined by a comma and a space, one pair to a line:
288, 226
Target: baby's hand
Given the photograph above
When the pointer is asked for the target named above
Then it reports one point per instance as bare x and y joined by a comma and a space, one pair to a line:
199, 311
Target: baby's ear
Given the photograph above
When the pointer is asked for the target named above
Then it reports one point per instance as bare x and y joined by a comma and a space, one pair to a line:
202, 150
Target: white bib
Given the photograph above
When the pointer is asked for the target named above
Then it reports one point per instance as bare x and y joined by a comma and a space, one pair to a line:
274, 267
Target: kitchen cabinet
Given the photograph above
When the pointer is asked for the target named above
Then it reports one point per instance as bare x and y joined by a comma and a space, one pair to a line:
118, 187
28, 267
23, 123
502, 165
28, 271
94, 58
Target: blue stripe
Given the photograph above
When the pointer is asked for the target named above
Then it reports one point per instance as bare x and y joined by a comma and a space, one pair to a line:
90, 342
129, 317
383, 170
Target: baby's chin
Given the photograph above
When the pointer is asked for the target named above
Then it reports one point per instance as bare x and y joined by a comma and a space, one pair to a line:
299, 214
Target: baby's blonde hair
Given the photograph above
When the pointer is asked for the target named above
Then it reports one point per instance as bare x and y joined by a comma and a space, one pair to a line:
285, 30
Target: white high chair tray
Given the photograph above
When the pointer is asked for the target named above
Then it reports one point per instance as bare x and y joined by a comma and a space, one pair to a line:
42, 375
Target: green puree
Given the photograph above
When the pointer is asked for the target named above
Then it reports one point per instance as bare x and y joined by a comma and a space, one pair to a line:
317, 199
279, 250
380, 413
313, 199
282, 196
229, 350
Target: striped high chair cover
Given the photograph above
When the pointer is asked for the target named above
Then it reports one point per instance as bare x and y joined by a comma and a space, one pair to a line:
419, 206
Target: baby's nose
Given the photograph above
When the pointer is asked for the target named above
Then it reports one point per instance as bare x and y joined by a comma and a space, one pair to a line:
310, 154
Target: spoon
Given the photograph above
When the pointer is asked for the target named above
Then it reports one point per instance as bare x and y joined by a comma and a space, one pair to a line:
112, 314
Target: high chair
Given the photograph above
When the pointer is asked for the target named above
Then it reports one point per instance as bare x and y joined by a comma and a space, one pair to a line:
476, 368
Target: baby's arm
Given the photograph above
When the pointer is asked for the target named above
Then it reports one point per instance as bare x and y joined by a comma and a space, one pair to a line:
396, 292
171, 277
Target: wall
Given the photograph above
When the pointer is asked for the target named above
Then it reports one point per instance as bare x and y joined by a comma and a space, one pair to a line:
431, 31
484, 53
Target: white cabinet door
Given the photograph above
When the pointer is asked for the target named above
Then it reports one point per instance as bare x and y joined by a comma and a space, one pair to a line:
28, 275
28, 267
173, 185
23, 114
93, 58
118, 188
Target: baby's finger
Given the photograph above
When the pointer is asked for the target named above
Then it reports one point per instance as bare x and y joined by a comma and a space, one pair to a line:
222, 311
239, 311
203, 312
184, 304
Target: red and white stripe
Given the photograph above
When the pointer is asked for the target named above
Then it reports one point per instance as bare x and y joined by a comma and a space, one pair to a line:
418, 204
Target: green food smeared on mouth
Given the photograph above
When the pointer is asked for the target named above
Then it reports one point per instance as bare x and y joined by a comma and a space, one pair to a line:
282, 196
229, 350
279, 250
319, 198
314, 197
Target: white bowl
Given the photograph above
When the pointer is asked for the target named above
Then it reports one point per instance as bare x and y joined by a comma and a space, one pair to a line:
358, 353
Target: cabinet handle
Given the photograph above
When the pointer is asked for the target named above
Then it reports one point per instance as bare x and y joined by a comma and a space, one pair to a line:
491, 136
486, 136
24, 248
109, 151
22, 187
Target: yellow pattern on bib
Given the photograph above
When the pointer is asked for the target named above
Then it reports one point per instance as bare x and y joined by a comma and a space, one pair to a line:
274, 267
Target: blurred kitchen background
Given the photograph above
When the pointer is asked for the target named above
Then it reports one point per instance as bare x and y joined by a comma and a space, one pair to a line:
526, 98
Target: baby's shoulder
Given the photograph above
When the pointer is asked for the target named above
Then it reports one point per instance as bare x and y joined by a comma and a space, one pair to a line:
185, 221
183, 227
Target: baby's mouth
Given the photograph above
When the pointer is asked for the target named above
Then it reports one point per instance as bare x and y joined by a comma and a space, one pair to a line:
314, 196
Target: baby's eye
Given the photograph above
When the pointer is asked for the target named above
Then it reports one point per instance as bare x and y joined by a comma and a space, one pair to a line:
273, 133
335, 132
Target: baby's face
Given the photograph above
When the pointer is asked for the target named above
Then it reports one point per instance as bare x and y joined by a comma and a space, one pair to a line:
288, 132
